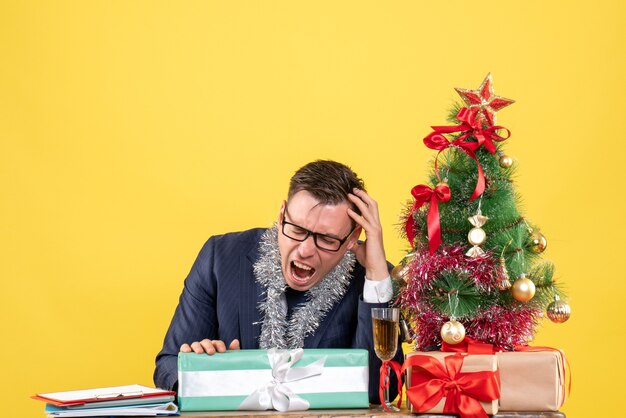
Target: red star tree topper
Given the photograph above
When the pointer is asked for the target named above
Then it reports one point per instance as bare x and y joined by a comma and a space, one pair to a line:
484, 101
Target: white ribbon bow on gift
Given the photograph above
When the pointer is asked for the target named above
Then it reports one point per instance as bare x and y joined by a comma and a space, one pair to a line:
274, 394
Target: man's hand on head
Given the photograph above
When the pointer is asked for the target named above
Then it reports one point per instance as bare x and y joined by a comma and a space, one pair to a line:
208, 346
371, 253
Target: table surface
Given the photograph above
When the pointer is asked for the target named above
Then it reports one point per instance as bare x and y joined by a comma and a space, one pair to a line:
357, 413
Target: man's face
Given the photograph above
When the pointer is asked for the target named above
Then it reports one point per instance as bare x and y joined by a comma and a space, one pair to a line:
304, 264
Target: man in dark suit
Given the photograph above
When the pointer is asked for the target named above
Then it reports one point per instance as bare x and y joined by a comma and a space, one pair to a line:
306, 282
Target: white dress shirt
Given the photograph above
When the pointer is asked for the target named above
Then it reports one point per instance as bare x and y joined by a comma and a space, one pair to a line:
377, 291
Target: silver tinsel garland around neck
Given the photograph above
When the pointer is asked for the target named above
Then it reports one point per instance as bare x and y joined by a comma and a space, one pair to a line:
276, 330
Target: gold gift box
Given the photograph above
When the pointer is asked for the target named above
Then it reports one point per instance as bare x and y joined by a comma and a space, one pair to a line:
531, 380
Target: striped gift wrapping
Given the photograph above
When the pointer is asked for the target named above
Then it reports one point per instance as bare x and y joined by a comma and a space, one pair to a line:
223, 381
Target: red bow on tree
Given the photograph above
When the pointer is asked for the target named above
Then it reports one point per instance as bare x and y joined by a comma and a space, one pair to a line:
463, 391
424, 194
469, 127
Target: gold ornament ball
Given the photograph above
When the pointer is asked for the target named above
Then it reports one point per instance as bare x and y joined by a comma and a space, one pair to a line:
442, 183
476, 236
538, 243
523, 289
558, 311
453, 332
505, 161
399, 272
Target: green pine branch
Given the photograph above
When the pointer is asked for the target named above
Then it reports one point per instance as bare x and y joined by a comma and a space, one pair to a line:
455, 294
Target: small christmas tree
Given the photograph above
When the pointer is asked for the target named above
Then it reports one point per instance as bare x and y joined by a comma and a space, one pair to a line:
474, 268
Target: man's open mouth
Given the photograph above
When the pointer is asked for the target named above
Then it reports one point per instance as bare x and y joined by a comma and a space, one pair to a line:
301, 272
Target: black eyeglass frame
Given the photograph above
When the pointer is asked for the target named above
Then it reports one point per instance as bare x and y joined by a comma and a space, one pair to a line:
314, 234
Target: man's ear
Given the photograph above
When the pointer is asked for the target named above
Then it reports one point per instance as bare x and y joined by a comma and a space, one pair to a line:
281, 214
354, 237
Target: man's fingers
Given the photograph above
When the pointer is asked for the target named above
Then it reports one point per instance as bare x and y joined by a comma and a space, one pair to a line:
367, 200
369, 226
359, 219
196, 347
219, 345
362, 194
367, 206
359, 203
207, 346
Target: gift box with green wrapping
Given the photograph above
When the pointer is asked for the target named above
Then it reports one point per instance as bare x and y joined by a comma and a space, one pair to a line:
285, 380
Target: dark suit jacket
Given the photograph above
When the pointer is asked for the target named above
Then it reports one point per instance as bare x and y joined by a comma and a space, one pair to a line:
220, 300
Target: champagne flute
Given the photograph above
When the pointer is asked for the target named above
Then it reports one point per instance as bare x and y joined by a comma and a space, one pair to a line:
385, 330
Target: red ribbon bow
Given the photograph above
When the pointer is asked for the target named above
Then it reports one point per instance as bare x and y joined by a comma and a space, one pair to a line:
424, 194
469, 127
385, 381
473, 127
463, 391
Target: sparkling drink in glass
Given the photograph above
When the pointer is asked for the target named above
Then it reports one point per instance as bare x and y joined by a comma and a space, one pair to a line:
385, 331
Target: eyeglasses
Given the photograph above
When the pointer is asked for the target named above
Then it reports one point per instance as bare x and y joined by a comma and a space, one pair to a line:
323, 242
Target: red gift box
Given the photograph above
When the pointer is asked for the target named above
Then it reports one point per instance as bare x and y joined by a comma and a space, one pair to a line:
452, 383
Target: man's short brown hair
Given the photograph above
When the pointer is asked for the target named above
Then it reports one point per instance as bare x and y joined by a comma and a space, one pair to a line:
328, 181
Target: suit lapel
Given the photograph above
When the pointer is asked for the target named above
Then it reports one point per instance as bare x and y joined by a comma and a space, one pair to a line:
249, 297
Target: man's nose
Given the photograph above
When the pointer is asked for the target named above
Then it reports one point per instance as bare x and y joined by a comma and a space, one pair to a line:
307, 247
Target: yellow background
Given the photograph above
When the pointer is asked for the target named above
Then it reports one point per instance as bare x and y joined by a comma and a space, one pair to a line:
131, 131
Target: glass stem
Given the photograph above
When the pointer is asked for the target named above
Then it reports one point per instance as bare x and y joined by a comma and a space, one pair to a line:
387, 384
